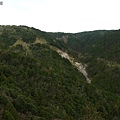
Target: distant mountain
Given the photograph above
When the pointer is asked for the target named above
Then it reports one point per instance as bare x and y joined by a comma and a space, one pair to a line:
42, 75
100, 51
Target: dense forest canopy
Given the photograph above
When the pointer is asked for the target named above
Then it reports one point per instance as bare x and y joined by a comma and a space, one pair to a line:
36, 83
100, 50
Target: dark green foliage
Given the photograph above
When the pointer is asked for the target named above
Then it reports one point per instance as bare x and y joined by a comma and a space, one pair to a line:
24, 104
100, 50
3, 100
44, 86
8, 115
10, 112
10, 34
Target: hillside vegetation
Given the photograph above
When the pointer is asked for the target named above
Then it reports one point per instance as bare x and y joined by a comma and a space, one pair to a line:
100, 50
36, 83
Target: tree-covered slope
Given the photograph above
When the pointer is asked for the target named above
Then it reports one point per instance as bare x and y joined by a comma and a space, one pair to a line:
36, 83
10, 34
100, 50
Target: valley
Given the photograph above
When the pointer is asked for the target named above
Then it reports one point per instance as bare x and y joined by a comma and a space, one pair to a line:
59, 76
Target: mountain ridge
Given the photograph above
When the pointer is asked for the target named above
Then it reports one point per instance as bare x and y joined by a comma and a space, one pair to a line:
43, 85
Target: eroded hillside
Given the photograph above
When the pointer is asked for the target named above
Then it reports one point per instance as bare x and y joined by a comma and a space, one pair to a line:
37, 83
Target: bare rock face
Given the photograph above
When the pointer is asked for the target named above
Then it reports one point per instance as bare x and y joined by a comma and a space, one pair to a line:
65, 38
81, 68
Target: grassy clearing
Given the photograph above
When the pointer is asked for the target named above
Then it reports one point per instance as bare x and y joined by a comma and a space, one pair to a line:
26, 45
40, 40
19, 42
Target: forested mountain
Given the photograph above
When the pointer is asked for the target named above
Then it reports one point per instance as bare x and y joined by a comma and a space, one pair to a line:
100, 50
36, 83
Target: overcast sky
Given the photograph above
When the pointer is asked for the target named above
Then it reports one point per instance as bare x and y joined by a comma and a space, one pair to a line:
62, 15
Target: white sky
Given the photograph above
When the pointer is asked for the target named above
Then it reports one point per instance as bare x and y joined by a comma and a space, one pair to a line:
62, 15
